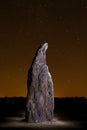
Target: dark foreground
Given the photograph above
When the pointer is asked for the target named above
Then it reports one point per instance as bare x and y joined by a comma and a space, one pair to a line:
69, 113
59, 125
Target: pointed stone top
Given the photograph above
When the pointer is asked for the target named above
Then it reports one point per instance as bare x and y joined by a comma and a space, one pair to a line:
43, 48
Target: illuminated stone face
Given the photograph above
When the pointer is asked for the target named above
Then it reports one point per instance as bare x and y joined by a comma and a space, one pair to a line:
40, 94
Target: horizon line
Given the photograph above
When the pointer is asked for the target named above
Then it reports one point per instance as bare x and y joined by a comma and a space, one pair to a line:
54, 97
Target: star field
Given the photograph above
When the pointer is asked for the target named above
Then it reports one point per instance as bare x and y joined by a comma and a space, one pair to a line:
24, 25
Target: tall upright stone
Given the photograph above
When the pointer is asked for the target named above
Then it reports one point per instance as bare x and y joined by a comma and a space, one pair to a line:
40, 93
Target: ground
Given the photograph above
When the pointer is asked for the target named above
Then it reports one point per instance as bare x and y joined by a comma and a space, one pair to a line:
17, 123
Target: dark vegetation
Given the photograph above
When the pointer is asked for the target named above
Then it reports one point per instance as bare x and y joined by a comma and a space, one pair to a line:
65, 108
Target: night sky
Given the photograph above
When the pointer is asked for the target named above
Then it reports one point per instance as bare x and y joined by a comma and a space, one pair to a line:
25, 25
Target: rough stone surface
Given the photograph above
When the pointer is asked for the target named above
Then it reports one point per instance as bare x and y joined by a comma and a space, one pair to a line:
40, 93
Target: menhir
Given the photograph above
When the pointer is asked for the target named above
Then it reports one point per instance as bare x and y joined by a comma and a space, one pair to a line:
40, 93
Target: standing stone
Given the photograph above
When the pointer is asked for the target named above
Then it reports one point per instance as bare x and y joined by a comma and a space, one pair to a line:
40, 93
